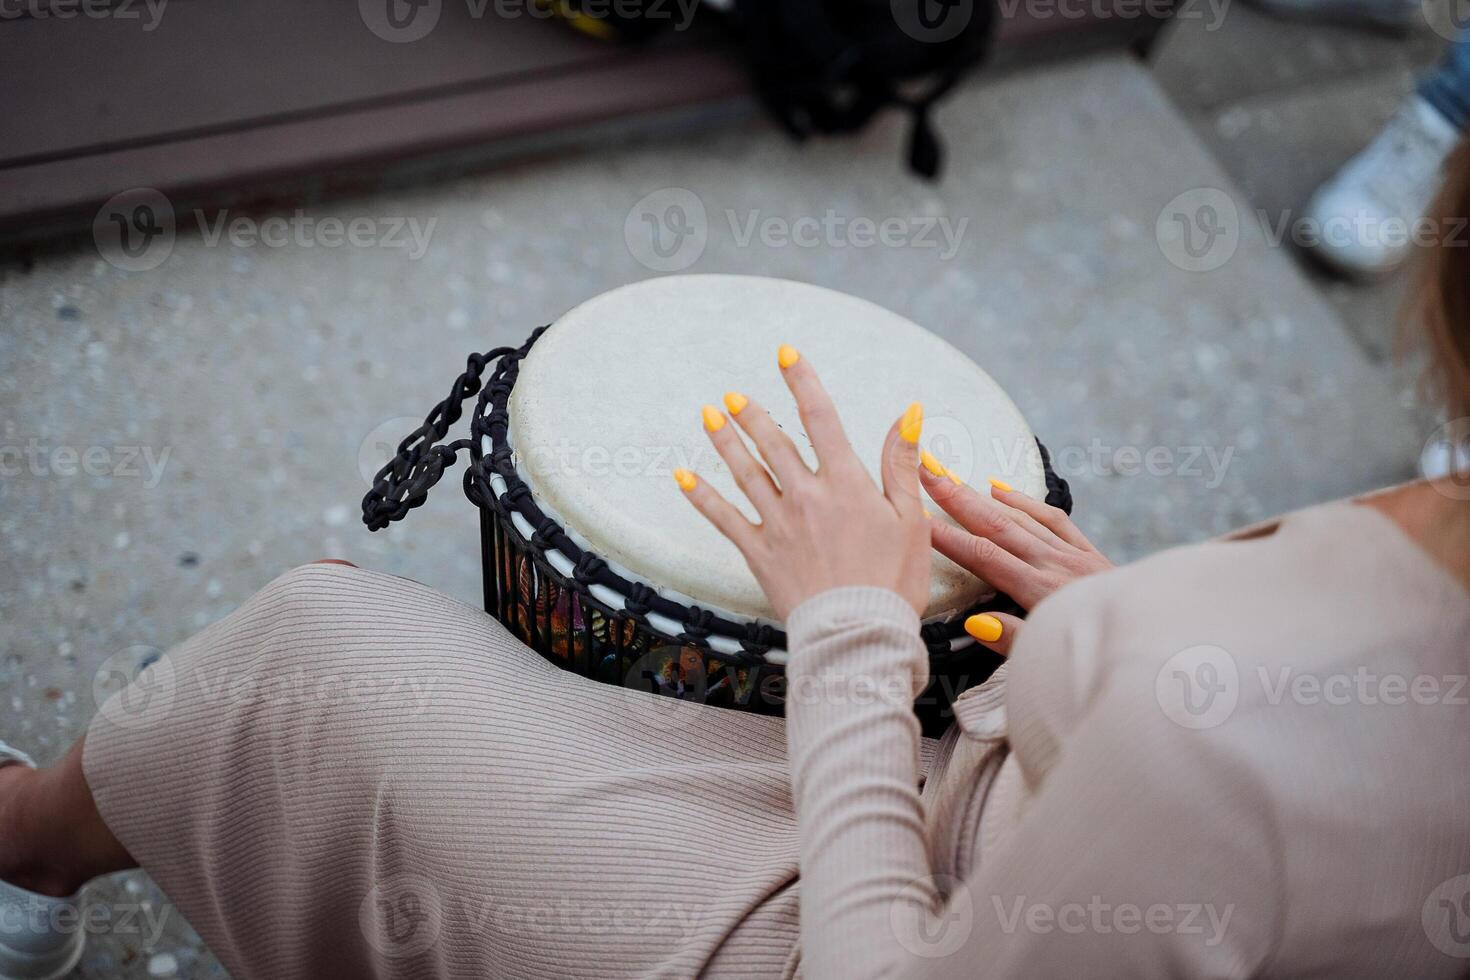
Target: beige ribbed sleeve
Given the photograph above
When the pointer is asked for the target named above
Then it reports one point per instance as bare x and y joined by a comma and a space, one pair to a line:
1110, 835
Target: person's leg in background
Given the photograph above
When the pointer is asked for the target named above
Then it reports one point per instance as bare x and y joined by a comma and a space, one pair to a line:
1447, 88
1367, 218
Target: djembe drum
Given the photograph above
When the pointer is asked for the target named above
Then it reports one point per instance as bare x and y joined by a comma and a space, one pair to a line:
592, 556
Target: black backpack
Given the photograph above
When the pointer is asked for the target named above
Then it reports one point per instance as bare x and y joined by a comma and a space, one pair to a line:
827, 66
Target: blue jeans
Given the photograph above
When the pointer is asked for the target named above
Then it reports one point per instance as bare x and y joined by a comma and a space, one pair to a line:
1447, 88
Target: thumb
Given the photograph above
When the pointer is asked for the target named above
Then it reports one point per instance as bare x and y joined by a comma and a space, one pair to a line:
997, 631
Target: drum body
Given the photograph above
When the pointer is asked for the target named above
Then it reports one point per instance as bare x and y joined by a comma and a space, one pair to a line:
592, 556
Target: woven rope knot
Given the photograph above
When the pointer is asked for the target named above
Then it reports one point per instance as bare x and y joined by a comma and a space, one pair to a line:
639, 599
935, 637
588, 567
543, 534
758, 638
696, 624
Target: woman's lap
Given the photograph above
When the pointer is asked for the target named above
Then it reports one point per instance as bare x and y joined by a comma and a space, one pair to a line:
352, 771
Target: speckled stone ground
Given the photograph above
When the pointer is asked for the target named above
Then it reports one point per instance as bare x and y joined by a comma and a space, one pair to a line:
174, 438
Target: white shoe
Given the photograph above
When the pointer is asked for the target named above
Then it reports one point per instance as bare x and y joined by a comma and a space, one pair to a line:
32, 946
1442, 458
1367, 218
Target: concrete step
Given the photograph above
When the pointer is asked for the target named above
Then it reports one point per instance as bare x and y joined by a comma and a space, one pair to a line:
1280, 147
1207, 60
1282, 105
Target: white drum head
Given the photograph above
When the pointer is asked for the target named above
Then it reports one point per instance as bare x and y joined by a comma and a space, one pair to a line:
607, 405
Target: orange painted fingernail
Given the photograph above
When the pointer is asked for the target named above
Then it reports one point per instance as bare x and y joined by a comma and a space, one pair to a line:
984, 627
1001, 485
786, 355
912, 424
685, 479
931, 464
713, 420
735, 402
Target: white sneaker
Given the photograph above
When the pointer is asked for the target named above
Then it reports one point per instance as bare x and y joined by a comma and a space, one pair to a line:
1442, 458
32, 945
1368, 217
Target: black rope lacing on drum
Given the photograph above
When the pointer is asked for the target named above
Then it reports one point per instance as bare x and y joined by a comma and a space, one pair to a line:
405, 480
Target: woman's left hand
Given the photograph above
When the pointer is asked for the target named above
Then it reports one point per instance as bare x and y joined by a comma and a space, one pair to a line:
818, 530
1024, 547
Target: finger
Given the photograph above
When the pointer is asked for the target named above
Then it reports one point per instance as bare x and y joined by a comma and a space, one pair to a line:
717, 510
818, 414
994, 630
1054, 519
987, 560
750, 476
900, 469
775, 447
990, 519
934, 468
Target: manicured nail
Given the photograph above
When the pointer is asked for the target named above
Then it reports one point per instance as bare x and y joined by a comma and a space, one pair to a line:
984, 627
931, 464
735, 402
685, 479
713, 420
786, 355
911, 424
1001, 485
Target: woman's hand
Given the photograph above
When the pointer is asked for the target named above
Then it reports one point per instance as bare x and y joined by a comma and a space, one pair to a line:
1024, 547
825, 529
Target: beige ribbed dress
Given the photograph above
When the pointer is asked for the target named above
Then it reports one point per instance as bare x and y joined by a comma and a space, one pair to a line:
1233, 759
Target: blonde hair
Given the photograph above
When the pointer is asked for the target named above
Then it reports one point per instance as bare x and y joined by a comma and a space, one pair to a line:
1437, 308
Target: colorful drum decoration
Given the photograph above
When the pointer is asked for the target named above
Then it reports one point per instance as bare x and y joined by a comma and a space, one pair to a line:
592, 556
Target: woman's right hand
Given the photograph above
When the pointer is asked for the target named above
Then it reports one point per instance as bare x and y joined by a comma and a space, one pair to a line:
1024, 547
